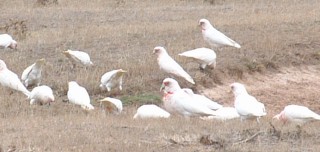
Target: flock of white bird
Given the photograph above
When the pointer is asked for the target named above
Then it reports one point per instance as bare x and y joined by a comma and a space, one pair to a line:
176, 100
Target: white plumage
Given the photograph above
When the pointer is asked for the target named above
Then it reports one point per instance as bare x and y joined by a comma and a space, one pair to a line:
203, 100
246, 105
150, 111
6, 41
204, 56
79, 95
32, 74
168, 65
42, 95
214, 37
224, 113
78, 57
177, 101
11, 80
112, 79
297, 114
112, 105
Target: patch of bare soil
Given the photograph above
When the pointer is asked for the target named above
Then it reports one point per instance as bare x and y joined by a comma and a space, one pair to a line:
293, 85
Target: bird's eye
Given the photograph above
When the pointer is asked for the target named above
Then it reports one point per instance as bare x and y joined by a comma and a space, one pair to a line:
166, 83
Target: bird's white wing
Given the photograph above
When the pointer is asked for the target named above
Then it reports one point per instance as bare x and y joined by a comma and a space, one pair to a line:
206, 102
107, 77
11, 80
224, 113
81, 57
167, 64
300, 112
26, 72
248, 105
188, 107
214, 36
151, 111
202, 55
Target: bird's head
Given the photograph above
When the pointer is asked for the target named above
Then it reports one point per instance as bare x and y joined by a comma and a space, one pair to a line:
41, 61
67, 53
238, 88
13, 44
3, 65
281, 117
204, 23
169, 85
159, 50
72, 84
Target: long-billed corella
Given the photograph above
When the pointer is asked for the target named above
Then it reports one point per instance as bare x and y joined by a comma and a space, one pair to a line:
297, 114
41, 95
168, 65
112, 105
223, 114
78, 95
177, 101
204, 56
150, 111
32, 74
203, 100
11, 80
6, 41
112, 79
79, 57
214, 37
246, 105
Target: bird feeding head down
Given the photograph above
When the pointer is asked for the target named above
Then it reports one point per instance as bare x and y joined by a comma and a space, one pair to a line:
3, 65
13, 44
204, 23
281, 117
238, 88
169, 85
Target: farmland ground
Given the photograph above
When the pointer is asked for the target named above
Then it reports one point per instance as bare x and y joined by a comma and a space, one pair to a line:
278, 62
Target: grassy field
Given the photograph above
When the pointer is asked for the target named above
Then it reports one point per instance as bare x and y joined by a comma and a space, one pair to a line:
278, 62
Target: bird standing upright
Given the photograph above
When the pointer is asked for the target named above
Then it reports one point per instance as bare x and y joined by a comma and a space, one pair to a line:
168, 65
32, 74
79, 95
246, 105
177, 101
214, 37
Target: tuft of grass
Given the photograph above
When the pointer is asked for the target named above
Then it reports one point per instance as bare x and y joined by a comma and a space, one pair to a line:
140, 99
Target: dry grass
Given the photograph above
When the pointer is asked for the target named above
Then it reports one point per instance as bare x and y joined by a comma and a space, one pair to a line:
274, 35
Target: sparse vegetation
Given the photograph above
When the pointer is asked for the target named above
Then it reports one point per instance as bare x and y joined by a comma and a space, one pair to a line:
278, 61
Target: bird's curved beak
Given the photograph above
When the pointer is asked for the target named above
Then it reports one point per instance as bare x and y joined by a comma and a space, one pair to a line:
162, 87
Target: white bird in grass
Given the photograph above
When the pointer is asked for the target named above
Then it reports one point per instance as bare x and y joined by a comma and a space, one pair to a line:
112, 105
224, 113
78, 57
6, 41
168, 65
177, 101
214, 37
32, 74
297, 114
204, 56
42, 95
79, 95
203, 100
246, 105
11, 80
150, 111
112, 79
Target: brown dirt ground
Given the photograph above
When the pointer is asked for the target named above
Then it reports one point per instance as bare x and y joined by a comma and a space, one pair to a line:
278, 63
